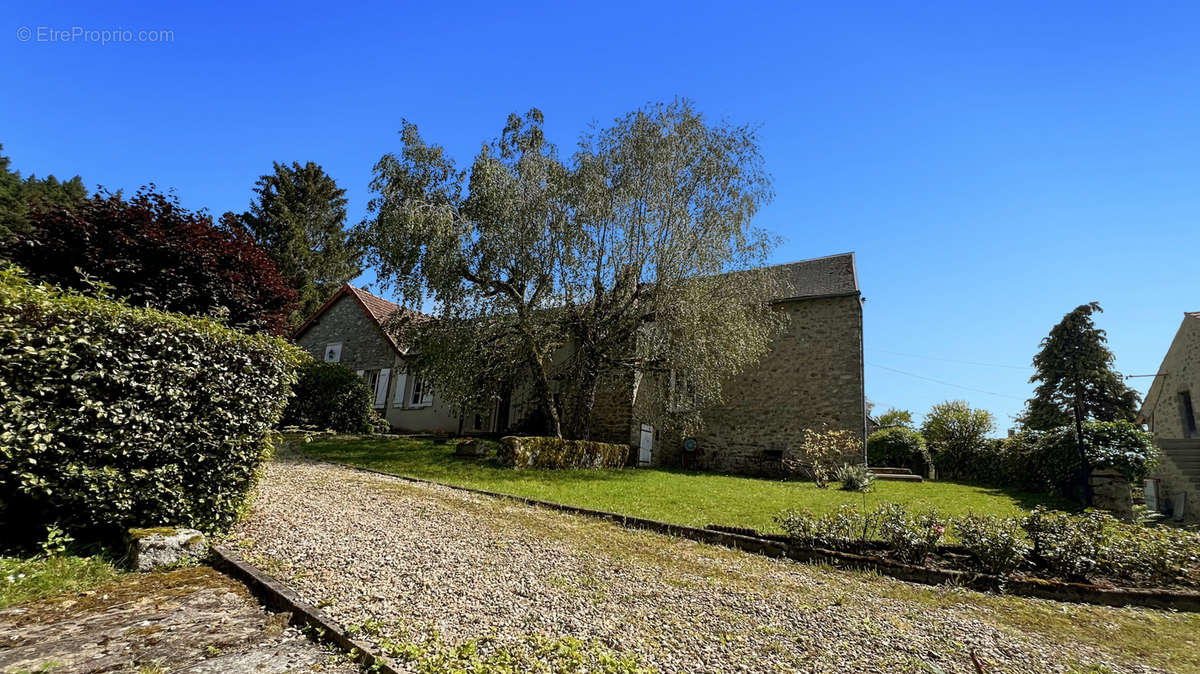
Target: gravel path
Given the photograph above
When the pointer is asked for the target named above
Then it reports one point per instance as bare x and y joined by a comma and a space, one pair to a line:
423, 569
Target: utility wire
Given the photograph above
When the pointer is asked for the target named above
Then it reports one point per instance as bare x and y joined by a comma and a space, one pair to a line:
953, 360
944, 383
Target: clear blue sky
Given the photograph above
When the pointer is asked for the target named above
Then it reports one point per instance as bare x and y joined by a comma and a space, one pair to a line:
992, 166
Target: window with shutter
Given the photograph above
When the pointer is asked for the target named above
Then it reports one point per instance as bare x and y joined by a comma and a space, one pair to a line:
401, 384
381, 387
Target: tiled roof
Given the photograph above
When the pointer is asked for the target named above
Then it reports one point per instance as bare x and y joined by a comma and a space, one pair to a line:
832, 275
377, 309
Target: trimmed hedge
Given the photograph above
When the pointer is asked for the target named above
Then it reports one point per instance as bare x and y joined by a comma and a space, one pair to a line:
523, 452
331, 397
114, 416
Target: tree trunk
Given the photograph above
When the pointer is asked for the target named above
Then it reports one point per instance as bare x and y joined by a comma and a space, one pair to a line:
1085, 469
541, 389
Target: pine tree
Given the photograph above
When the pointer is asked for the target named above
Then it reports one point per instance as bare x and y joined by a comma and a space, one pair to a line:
1076, 381
298, 215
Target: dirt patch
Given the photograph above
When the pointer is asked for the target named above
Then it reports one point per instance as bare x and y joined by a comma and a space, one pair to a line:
190, 620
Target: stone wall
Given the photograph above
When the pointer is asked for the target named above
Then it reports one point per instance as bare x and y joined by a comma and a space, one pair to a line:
365, 348
1179, 466
811, 378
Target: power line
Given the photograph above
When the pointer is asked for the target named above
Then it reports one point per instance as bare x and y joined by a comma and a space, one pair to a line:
954, 360
944, 383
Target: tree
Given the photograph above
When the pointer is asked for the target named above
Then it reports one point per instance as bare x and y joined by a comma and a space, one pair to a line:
1076, 382
153, 251
21, 196
895, 417
955, 434
298, 215
553, 275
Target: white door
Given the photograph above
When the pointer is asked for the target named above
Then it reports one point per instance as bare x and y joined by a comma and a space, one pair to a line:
645, 444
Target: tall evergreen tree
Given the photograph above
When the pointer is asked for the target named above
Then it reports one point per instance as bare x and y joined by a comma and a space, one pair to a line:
1076, 381
20, 196
298, 215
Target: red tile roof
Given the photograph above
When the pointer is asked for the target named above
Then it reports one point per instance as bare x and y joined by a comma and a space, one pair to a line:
376, 308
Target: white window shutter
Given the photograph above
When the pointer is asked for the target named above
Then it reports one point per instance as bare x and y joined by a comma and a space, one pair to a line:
401, 383
381, 386
360, 373
426, 394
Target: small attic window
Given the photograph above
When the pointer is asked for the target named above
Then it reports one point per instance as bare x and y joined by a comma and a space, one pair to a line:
333, 352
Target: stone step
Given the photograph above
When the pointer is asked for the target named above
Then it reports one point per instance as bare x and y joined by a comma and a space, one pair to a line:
898, 477
881, 470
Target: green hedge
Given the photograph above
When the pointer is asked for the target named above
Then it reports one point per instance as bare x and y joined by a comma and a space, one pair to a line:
523, 452
899, 447
331, 397
114, 416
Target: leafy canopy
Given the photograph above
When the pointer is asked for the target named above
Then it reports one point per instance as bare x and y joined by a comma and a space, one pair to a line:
152, 251
546, 274
1075, 377
298, 216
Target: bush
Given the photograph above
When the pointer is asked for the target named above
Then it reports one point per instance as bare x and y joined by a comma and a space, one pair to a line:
331, 397
153, 251
1048, 461
912, 536
997, 543
835, 531
855, 477
821, 452
899, 448
956, 433
525, 452
114, 416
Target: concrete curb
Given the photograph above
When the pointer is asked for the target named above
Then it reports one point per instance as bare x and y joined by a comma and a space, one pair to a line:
280, 597
762, 544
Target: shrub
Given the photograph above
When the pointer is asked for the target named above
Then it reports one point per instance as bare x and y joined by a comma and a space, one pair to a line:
153, 251
912, 536
838, 530
855, 477
956, 433
899, 448
330, 396
1067, 545
997, 543
526, 452
821, 452
1048, 461
1121, 446
113, 416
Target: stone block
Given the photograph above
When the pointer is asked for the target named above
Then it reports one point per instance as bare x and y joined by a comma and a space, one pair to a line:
1111, 491
164, 547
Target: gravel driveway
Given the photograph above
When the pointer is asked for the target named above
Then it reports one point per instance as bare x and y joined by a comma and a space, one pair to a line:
432, 572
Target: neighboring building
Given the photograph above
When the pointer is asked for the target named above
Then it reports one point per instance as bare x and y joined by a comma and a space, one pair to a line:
350, 329
811, 378
1170, 412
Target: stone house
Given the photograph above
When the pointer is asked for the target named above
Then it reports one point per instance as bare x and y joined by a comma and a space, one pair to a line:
350, 329
812, 377
1169, 411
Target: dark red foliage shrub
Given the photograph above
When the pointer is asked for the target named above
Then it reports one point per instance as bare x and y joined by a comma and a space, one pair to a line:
157, 253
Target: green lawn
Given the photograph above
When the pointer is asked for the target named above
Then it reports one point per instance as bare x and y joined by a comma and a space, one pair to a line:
682, 497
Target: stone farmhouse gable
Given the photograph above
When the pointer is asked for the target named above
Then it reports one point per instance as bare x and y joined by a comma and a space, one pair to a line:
352, 328
1170, 412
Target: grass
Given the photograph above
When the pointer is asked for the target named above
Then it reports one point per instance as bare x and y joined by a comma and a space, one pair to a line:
26, 579
677, 496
